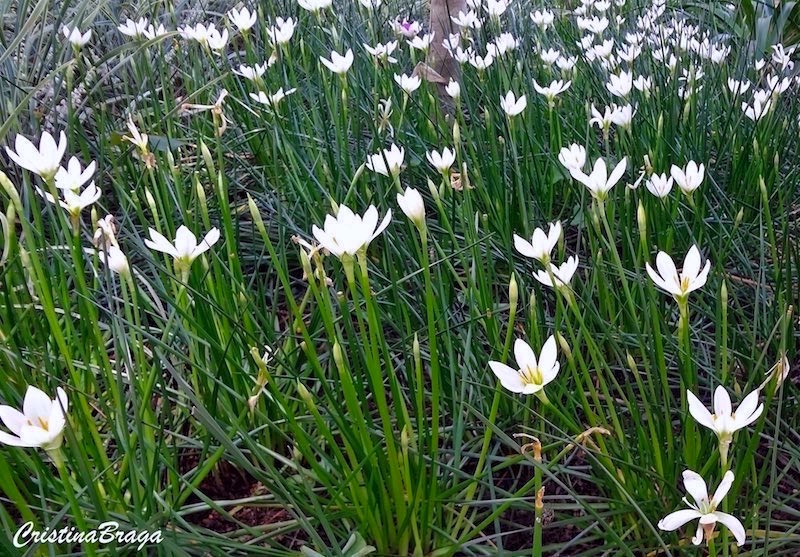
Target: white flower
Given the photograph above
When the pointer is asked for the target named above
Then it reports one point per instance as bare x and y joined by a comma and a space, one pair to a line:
421, 43
453, 89
383, 52
114, 259
242, 19
761, 106
604, 120
705, 509
44, 160
659, 185
542, 18
73, 177
208, 36
643, 83
467, 20
72, 200
338, 64
441, 162
75, 37
562, 274
622, 116
679, 285
282, 31
41, 422
620, 85
370, 4
724, 422
689, 179
252, 72
133, 28
271, 100
541, 244
136, 138
572, 157
348, 233
738, 87
412, 205
511, 105
550, 92
314, 6
409, 84
496, 8
533, 374
388, 162
549, 56
566, 64
185, 249
599, 181
151, 32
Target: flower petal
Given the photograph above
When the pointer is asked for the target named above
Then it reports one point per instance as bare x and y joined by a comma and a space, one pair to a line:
695, 486
509, 377
523, 354
675, 520
699, 412
734, 525
722, 489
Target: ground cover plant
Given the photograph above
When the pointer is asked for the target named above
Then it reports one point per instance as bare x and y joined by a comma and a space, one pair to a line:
275, 281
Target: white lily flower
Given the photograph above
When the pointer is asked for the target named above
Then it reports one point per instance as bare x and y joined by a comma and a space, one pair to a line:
348, 233
44, 160
282, 31
738, 87
151, 32
541, 245
41, 422
208, 36
620, 85
114, 259
453, 89
549, 56
599, 181
543, 19
314, 6
136, 138
513, 106
407, 83
496, 8
551, 91
242, 19
185, 249
338, 63
643, 84
252, 72
680, 285
75, 37
659, 185
132, 28
724, 422
422, 43
704, 508
533, 374
689, 179
388, 162
572, 157
73, 177
412, 205
441, 162
271, 100
562, 273
622, 116
406, 29
383, 52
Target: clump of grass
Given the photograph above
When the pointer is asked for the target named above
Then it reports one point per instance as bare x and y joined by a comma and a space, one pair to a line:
305, 262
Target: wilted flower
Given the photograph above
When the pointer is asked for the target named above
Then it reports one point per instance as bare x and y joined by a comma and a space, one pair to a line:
689, 179
680, 285
705, 509
513, 106
572, 157
348, 233
412, 205
41, 422
388, 162
541, 244
442, 162
659, 185
338, 64
599, 181
75, 37
242, 19
113, 257
185, 249
44, 160
533, 374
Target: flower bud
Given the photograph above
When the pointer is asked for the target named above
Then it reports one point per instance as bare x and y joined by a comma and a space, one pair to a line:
413, 206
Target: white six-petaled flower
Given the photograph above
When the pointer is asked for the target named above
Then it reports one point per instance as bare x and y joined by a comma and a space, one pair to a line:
705, 509
690, 278
561, 274
533, 374
388, 162
41, 422
724, 422
600, 182
690, 178
348, 233
185, 249
541, 245
511, 105
441, 161
412, 205
338, 63
44, 160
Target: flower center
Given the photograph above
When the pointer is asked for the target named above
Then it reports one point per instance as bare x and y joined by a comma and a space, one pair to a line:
531, 375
